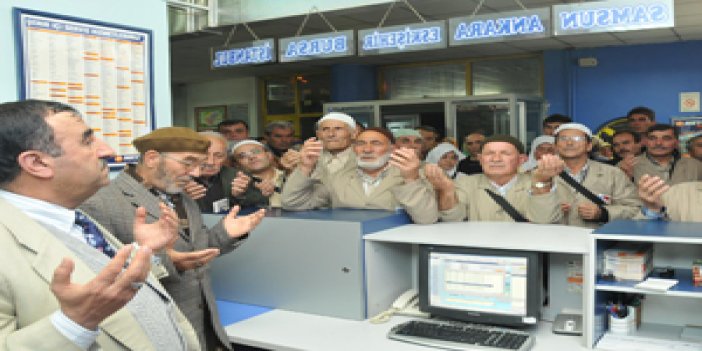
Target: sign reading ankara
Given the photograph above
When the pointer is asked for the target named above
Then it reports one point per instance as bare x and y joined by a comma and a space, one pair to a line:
612, 16
317, 46
245, 53
410, 37
501, 26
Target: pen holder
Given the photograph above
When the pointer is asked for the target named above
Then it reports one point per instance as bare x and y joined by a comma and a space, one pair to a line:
626, 325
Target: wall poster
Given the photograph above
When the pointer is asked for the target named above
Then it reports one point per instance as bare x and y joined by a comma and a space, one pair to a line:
103, 70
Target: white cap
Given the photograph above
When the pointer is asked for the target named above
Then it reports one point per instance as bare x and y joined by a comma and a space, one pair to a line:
245, 142
576, 126
338, 116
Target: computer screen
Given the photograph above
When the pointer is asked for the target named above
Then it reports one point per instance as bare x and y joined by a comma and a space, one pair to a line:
480, 285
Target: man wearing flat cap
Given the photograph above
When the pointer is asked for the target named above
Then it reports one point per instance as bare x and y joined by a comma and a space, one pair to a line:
500, 193
611, 194
169, 159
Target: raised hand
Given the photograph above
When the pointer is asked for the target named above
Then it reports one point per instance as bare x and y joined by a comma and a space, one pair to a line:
651, 190
438, 178
627, 165
548, 167
195, 190
159, 234
266, 187
238, 226
589, 211
407, 162
184, 261
290, 160
240, 183
91, 303
309, 155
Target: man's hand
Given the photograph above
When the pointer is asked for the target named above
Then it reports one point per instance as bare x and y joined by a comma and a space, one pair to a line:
266, 187
195, 190
290, 160
565, 208
438, 178
627, 165
159, 234
589, 211
407, 162
238, 226
309, 155
548, 166
89, 304
651, 190
184, 261
240, 183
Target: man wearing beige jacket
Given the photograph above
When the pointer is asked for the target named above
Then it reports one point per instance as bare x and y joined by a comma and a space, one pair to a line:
62, 281
500, 193
680, 202
613, 195
384, 178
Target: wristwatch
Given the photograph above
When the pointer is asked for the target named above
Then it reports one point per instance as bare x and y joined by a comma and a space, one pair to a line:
541, 185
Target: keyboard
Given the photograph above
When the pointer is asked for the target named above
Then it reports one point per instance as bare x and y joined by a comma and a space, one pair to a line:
461, 336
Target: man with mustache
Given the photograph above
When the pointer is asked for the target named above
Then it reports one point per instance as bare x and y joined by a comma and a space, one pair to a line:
626, 146
259, 182
384, 178
213, 188
663, 160
608, 185
476, 197
169, 159
67, 283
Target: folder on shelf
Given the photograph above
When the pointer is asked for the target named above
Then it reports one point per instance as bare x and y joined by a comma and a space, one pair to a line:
657, 284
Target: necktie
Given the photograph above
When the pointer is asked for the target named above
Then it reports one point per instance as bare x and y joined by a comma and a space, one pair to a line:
93, 236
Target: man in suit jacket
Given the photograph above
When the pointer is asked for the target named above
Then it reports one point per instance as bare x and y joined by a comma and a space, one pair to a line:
531, 195
169, 159
383, 179
57, 292
609, 183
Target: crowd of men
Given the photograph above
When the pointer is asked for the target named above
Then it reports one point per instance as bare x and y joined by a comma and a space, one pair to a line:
93, 263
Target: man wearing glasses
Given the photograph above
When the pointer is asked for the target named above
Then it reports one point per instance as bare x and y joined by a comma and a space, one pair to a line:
169, 159
259, 182
616, 193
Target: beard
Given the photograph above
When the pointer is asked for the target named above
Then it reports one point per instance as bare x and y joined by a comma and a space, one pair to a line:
169, 182
374, 164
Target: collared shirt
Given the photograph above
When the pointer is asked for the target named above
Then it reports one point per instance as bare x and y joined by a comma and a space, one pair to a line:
334, 163
370, 183
63, 219
580, 176
666, 171
503, 189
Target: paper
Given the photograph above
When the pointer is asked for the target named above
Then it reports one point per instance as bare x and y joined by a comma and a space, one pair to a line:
657, 284
637, 343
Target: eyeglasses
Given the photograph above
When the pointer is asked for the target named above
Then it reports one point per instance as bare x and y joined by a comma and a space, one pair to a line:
247, 154
573, 138
189, 164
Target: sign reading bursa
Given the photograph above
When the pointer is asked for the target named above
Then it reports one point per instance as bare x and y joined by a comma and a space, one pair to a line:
502, 26
317, 46
413, 37
246, 53
612, 16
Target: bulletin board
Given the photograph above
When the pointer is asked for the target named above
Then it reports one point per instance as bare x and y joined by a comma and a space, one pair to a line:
103, 70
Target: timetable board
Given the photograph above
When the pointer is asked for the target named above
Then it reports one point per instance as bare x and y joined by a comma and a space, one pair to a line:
103, 70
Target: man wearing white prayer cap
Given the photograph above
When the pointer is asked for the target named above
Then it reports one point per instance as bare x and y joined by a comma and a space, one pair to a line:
616, 192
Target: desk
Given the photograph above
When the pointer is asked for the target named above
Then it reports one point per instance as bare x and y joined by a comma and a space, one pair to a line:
286, 330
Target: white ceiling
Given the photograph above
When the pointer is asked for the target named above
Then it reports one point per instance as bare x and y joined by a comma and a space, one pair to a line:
190, 53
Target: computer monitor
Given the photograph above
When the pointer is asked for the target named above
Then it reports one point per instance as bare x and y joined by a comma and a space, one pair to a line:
500, 287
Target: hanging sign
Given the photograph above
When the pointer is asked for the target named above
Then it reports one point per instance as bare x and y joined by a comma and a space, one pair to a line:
612, 16
411, 37
501, 26
244, 53
317, 46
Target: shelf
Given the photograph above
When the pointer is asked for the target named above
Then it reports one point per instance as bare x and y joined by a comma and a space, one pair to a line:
649, 337
684, 286
651, 231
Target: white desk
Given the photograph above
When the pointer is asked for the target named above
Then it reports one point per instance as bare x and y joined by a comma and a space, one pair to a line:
285, 330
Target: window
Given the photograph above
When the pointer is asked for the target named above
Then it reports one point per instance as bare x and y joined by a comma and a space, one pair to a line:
520, 76
405, 82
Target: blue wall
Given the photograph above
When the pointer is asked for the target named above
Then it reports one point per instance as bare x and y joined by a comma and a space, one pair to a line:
351, 82
626, 76
149, 14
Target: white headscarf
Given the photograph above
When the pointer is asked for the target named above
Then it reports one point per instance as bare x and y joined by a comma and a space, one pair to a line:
531, 163
440, 150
